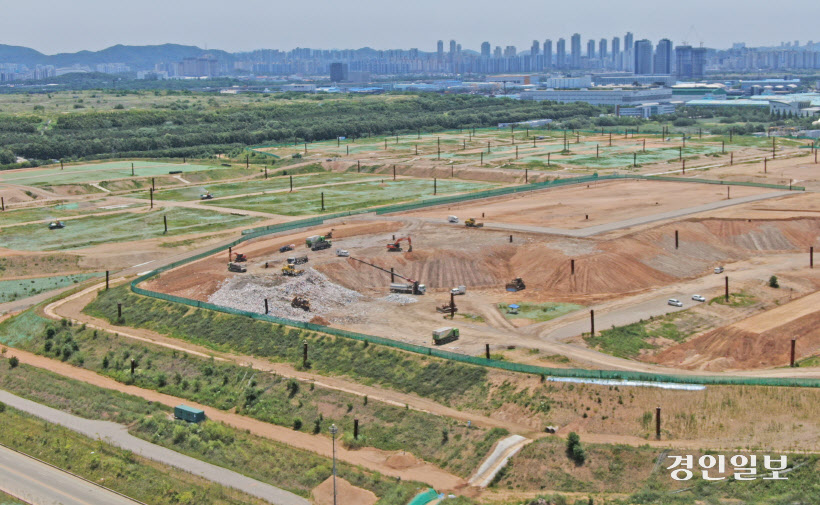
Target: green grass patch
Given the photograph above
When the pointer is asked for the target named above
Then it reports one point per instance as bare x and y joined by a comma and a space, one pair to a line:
473, 318
742, 299
74, 174
628, 341
123, 227
23, 288
348, 197
52, 213
539, 312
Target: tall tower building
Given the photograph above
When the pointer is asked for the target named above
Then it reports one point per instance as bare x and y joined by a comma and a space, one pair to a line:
497, 52
689, 62
485, 49
590, 49
440, 49
663, 57
535, 48
616, 53
575, 48
561, 53
629, 52
602, 49
452, 47
643, 57
548, 53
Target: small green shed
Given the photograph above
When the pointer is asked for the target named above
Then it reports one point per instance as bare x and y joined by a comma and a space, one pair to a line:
189, 414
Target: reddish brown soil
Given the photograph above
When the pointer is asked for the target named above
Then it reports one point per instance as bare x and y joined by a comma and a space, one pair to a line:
345, 493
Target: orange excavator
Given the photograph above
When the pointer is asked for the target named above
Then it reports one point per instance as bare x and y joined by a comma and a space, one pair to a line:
396, 246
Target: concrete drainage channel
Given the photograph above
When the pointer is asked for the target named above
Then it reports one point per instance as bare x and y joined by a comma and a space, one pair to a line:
498, 459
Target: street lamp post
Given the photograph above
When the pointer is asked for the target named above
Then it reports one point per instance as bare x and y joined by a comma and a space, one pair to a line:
333, 431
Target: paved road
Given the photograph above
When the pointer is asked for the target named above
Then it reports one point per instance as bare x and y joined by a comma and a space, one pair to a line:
628, 223
40, 484
118, 435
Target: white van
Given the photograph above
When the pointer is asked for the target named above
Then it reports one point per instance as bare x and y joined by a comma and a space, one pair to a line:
452, 219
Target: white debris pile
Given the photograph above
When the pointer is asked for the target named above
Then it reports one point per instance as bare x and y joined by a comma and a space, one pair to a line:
326, 298
399, 298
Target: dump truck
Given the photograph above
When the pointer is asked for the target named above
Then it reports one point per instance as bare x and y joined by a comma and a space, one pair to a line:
410, 288
286, 248
445, 335
516, 284
290, 271
236, 267
320, 244
459, 290
297, 260
313, 239
56, 225
190, 414
471, 223
300, 302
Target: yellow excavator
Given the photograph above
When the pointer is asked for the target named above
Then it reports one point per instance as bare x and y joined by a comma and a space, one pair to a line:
290, 271
471, 223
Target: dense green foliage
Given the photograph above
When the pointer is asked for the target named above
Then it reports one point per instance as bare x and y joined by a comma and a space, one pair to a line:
204, 132
429, 377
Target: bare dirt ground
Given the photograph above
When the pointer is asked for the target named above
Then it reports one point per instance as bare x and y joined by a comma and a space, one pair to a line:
345, 493
594, 204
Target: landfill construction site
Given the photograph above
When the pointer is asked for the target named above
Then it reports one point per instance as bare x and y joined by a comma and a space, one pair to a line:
525, 276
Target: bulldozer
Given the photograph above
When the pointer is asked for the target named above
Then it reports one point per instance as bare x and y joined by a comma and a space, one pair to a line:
471, 223
299, 302
236, 267
290, 271
396, 246
516, 284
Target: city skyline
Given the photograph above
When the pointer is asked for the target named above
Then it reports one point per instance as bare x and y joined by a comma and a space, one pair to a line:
68, 28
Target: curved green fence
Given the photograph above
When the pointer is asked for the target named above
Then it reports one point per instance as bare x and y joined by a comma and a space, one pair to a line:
463, 358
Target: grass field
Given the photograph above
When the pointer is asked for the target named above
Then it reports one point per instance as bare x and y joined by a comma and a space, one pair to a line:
77, 174
539, 312
349, 197
90, 231
9, 500
22, 288
628, 341
240, 188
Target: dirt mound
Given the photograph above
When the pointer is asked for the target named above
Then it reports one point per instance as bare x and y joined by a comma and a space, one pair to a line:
402, 460
345, 493
735, 348
320, 320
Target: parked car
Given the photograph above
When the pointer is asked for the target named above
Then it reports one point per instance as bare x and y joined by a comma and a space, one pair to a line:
718, 270
286, 248
452, 219
675, 302
342, 252
698, 298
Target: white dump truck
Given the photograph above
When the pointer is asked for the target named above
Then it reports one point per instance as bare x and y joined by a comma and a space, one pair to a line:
459, 290
410, 288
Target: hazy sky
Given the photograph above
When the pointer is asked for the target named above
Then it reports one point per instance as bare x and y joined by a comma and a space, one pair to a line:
66, 26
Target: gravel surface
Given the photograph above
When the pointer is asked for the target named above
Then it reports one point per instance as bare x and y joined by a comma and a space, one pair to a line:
327, 299
399, 298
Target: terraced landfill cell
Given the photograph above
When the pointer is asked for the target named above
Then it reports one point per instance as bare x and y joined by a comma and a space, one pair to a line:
56, 212
348, 197
22, 288
90, 231
194, 191
77, 174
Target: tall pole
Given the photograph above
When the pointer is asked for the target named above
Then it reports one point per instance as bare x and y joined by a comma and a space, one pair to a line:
291, 184
592, 323
152, 197
132, 169
333, 431
165, 221
726, 294
658, 423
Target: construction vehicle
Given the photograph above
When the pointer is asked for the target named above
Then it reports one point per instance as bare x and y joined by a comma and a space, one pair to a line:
291, 271
313, 239
412, 287
56, 225
447, 308
342, 252
452, 219
516, 285
329, 234
471, 223
240, 257
206, 196
396, 246
236, 267
445, 335
459, 290
286, 248
299, 302
320, 244
297, 260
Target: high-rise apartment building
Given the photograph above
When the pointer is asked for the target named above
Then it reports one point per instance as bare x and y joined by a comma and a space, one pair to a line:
643, 57
591, 49
548, 53
602, 49
561, 53
663, 57
485, 49
338, 72
629, 52
440, 49
616, 53
575, 50
535, 48
690, 62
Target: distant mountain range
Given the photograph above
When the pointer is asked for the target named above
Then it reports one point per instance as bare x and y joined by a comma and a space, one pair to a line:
137, 57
